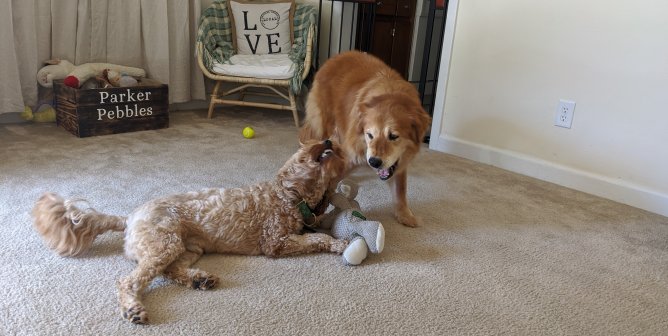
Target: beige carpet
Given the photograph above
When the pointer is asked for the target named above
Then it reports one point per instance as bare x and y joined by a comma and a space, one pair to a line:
497, 253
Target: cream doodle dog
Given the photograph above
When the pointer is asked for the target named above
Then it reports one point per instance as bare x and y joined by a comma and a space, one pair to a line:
167, 235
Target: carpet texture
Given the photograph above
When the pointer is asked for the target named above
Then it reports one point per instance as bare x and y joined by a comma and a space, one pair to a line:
497, 252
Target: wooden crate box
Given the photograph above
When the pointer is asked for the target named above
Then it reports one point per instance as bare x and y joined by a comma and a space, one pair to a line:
90, 112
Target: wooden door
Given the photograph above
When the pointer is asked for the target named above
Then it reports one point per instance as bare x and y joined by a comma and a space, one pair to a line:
392, 33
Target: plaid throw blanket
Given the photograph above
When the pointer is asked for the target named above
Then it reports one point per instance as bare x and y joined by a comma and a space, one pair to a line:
215, 37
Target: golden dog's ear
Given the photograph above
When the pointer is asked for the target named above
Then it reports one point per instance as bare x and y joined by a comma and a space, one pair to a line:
358, 121
359, 127
420, 121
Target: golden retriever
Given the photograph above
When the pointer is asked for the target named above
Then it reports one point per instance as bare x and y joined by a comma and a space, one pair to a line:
375, 115
168, 235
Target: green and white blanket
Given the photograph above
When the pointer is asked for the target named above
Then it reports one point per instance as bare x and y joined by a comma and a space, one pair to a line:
215, 36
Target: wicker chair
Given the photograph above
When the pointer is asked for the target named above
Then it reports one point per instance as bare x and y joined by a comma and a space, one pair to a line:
283, 88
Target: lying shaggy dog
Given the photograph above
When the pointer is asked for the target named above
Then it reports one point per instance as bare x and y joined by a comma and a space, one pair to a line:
374, 114
167, 235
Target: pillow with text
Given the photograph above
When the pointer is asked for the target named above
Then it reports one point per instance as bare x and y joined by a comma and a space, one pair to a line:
262, 27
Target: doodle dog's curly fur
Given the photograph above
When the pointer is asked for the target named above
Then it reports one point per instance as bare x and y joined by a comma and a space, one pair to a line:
167, 235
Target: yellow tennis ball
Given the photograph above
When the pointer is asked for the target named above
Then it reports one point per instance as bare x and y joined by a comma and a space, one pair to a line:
248, 132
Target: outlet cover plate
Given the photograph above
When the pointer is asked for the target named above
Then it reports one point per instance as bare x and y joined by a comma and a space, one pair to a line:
564, 114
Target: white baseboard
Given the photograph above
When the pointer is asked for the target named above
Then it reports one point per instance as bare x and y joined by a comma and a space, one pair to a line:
602, 186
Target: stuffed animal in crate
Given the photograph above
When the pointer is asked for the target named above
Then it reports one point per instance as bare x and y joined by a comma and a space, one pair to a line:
75, 75
118, 79
346, 221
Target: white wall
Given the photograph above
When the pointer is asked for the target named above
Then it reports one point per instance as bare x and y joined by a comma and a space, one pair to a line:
513, 60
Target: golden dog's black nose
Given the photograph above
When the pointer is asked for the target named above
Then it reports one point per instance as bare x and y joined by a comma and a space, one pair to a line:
328, 144
375, 162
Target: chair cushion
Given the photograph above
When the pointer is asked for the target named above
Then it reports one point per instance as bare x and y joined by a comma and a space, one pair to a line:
262, 27
276, 66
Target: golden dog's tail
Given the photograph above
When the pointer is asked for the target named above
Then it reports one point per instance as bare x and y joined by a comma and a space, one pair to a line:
67, 229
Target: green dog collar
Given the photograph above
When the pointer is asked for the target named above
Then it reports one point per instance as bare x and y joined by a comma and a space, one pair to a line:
307, 213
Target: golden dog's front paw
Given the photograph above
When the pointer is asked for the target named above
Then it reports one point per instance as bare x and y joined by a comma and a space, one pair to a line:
407, 218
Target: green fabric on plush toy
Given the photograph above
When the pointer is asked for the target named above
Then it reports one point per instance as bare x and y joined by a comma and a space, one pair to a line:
44, 113
346, 221
75, 75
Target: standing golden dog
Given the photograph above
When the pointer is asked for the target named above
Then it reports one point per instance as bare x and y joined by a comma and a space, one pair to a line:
167, 235
374, 113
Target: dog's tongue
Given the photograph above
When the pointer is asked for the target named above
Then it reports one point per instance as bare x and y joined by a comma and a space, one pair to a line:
384, 174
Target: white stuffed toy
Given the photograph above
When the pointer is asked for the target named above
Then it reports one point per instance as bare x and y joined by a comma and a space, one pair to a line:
346, 221
118, 79
75, 75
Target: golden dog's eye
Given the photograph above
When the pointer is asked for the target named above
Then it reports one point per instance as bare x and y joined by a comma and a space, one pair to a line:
393, 137
369, 135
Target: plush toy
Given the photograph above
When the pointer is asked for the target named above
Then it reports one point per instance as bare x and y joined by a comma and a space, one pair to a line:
55, 69
93, 83
346, 221
45, 113
118, 79
75, 75
127, 81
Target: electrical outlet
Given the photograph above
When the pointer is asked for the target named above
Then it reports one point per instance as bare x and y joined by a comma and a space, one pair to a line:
564, 115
